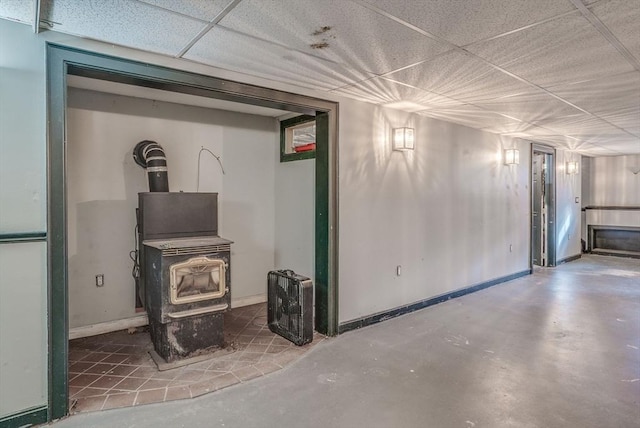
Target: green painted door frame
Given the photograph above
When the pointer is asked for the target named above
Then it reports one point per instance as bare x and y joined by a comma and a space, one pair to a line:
62, 61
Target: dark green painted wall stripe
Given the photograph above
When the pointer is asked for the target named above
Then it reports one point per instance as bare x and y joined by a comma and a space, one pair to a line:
322, 223
57, 223
9, 238
35, 416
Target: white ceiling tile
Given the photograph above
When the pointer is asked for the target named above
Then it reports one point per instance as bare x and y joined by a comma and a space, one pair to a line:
341, 31
382, 91
200, 9
531, 106
565, 50
612, 93
260, 58
17, 10
466, 21
125, 22
461, 77
628, 120
473, 117
577, 126
622, 18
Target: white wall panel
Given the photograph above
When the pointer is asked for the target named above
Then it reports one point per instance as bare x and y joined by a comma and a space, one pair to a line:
448, 212
295, 216
23, 267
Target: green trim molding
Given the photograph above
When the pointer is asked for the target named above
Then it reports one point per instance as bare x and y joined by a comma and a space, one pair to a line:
26, 418
62, 61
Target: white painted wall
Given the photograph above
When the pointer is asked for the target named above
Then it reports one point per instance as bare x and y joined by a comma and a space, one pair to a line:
612, 182
446, 212
103, 183
295, 216
23, 267
568, 214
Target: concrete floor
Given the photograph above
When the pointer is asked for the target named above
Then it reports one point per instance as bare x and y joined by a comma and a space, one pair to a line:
559, 348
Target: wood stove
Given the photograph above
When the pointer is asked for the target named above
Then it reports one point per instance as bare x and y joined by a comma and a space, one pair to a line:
186, 272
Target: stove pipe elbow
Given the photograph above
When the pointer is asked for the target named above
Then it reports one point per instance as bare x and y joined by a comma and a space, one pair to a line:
150, 156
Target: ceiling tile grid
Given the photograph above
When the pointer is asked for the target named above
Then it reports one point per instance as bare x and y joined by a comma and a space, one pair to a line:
547, 70
260, 58
608, 94
622, 18
124, 22
562, 51
337, 30
382, 91
466, 21
461, 77
202, 10
17, 10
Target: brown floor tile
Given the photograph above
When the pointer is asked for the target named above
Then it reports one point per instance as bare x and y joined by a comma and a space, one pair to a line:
80, 367
122, 370
114, 401
96, 363
115, 358
267, 367
154, 384
190, 375
89, 404
101, 369
178, 393
78, 354
110, 348
91, 392
257, 348
84, 379
95, 357
130, 384
247, 373
151, 396
276, 349
107, 382
73, 390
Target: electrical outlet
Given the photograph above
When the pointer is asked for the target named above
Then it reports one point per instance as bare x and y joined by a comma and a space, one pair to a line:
100, 280
398, 270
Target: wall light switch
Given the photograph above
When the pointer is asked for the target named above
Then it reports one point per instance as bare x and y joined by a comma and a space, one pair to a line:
100, 280
398, 270
577, 200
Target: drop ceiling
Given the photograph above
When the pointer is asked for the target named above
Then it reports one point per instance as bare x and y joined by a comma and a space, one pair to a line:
562, 72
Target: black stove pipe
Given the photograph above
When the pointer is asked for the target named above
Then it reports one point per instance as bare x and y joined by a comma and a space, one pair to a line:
150, 155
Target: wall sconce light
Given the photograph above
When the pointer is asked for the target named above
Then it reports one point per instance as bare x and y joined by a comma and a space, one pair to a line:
403, 139
511, 157
572, 167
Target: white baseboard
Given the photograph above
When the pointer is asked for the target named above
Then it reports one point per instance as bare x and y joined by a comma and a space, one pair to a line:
142, 320
249, 300
108, 327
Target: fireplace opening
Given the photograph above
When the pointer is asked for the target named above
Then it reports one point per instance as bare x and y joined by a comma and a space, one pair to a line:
198, 278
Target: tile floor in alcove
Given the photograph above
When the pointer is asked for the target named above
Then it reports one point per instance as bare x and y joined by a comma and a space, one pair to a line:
115, 369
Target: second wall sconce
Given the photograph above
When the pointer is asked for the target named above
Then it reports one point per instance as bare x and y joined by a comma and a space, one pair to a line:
402, 139
511, 156
572, 167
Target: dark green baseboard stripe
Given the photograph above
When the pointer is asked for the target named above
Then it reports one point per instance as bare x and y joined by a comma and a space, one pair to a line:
628, 255
392, 313
568, 259
37, 415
